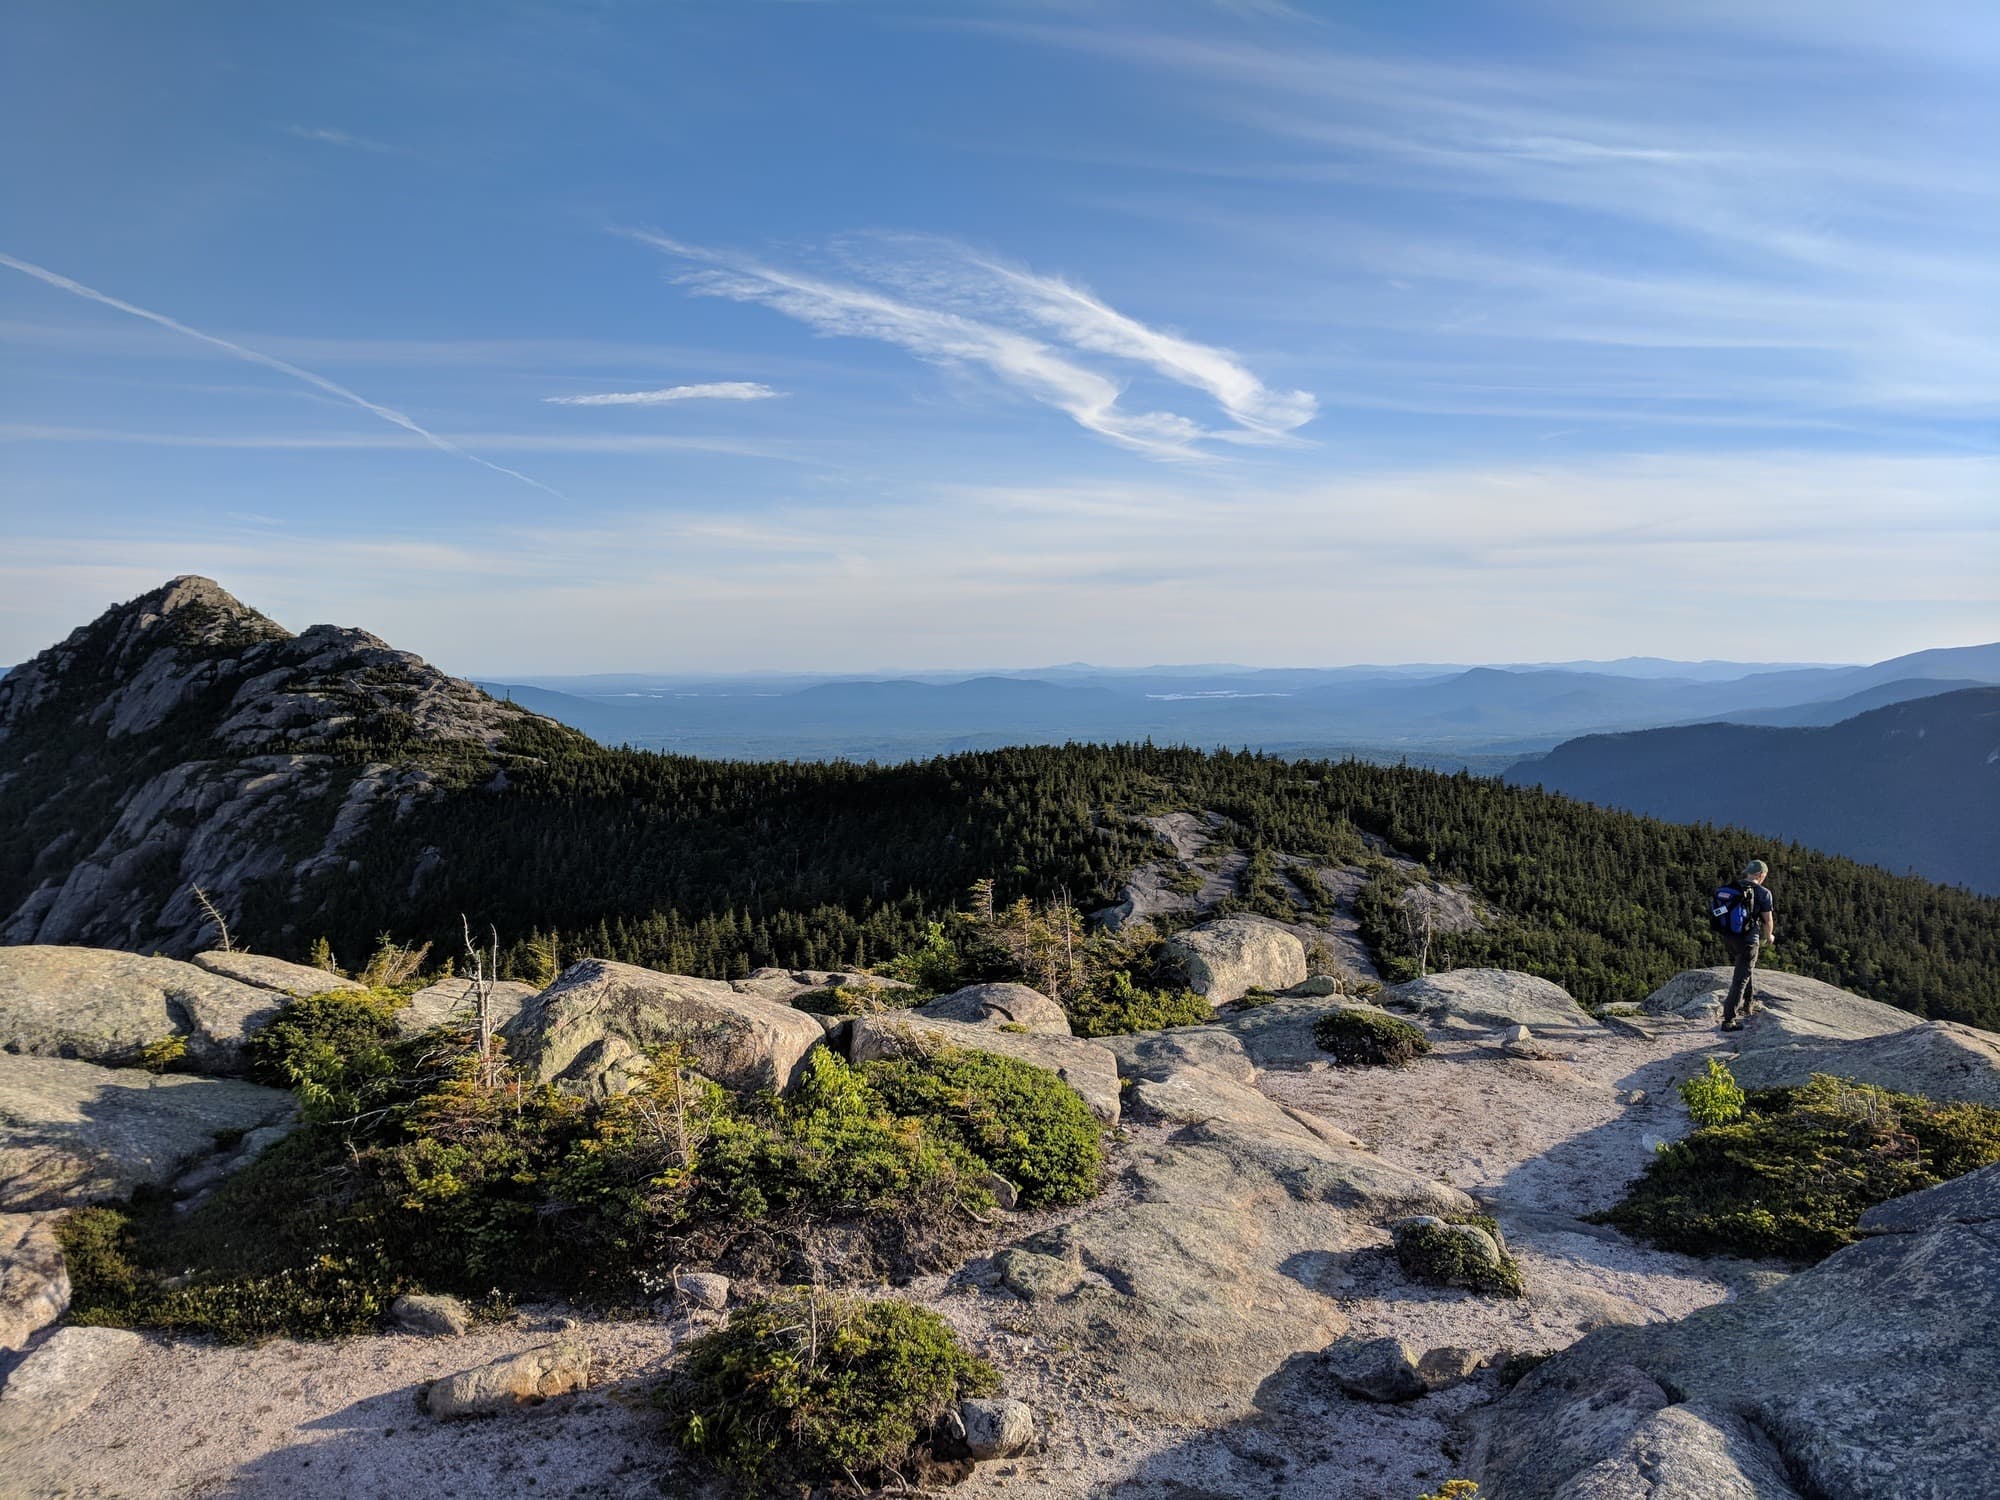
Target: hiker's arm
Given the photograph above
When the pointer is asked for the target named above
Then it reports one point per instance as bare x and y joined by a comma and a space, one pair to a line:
1770, 924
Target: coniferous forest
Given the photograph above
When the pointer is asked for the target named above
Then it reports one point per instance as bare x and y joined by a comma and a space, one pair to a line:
716, 867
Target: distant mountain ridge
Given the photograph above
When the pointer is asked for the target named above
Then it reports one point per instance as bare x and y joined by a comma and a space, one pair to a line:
1485, 717
1914, 786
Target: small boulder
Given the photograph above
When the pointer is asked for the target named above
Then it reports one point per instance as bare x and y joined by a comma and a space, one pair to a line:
1000, 1004
1468, 1252
590, 1030
1005, 1194
1034, 1277
1315, 987
34, 1283
1448, 1365
59, 1379
1378, 1369
511, 1381
421, 1313
703, 1289
996, 1428
1226, 959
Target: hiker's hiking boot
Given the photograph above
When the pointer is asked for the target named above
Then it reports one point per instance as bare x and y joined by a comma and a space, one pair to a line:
1732, 1025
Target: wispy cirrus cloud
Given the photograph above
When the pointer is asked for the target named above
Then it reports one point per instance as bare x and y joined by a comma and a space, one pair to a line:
714, 390
961, 309
319, 382
328, 137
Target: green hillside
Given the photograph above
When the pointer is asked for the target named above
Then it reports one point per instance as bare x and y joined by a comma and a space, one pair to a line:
716, 867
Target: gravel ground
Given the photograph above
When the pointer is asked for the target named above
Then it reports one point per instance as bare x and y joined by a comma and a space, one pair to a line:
1539, 1141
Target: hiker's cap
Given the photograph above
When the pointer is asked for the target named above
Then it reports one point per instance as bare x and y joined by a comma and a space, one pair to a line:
1755, 868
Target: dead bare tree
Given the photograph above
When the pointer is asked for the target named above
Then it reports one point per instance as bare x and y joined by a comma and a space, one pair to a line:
485, 970
1417, 922
214, 915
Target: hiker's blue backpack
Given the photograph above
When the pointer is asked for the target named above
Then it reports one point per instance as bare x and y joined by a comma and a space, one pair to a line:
1732, 910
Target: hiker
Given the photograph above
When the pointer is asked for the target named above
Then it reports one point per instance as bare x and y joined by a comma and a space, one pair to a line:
1741, 912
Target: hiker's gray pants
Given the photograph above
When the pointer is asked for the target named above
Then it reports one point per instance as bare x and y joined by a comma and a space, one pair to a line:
1743, 954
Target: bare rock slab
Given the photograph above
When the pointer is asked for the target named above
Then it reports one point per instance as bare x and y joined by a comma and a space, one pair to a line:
272, 973
99, 1005
34, 1283
72, 1132
1492, 1000
1868, 1376
1084, 1065
59, 1379
590, 1030
512, 1381
1227, 958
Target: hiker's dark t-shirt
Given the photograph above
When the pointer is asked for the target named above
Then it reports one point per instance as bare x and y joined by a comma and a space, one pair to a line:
1760, 904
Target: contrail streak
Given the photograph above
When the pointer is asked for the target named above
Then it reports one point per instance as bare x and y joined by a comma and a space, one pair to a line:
320, 382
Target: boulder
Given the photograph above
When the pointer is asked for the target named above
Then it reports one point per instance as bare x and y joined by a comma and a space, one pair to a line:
1379, 1369
590, 1030
1448, 1364
450, 1000
511, 1381
1868, 1376
1000, 1005
34, 1283
438, 1315
97, 1005
704, 1289
1490, 1000
1005, 1194
58, 1380
205, 1174
1085, 1066
73, 1133
996, 1429
1227, 958
273, 973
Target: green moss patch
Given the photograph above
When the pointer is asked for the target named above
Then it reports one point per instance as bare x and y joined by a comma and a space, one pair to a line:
1793, 1174
1366, 1038
807, 1389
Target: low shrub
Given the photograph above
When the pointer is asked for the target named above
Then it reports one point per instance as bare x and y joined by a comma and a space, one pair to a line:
1434, 1254
856, 1000
1367, 1038
806, 1389
337, 1051
1793, 1174
1021, 1121
1714, 1097
1118, 1005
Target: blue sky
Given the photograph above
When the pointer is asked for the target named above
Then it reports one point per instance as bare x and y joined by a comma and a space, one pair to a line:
544, 338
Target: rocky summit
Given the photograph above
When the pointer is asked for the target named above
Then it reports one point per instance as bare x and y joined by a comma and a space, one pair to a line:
184, 742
